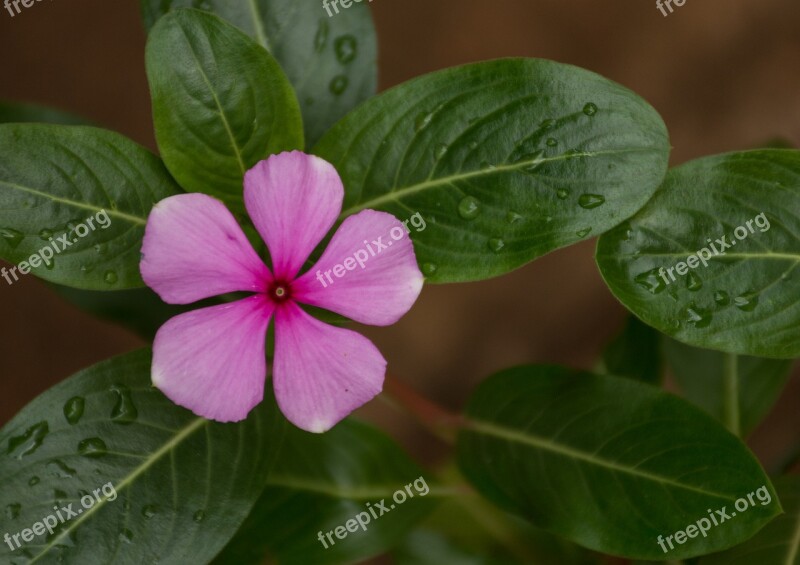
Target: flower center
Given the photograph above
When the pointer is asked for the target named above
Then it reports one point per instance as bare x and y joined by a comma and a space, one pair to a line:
279, 291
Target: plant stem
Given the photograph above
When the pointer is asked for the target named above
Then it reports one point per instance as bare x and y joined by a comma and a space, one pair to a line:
730, 405
436, 419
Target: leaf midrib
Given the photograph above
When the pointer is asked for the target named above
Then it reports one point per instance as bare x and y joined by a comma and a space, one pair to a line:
548, 445
402, 192
75, 204
794, 544
151, 460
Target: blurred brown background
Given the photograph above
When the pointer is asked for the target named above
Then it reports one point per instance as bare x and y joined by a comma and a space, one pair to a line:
723, 73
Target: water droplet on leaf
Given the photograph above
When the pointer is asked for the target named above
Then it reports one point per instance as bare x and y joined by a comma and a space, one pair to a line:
346, 49
469, 208
590, 201
12, 237
694, 282
93, 447
339, 84
496, 244
590, 109
651, 281
124, 411
28, 442
110, 277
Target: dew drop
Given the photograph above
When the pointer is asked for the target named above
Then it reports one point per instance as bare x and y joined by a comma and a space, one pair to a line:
473, 145
13, 510
429, 268
590, 201
551, 142
590, 109
110, 277
33, 481
693, 282
85, 269
199, 516
346, 48
562, 193
28, 442
651, 281
441, 151
469, 208
124, 411
93, 447
487, 166
45, 234
584, 232
496, 244
547, 124
12, 237
149, 511
338, 84
126, 536
61, 470
513, 217
321, 37
423, 120
746, 302
722, 298
698, 317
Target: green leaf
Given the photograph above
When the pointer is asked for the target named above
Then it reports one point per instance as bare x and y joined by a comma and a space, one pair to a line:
56, 181
221, 103
14, 112
183, 484
330, 61
778, 543
699, 373
608, 463
504, 160
743, 302
635, 353
424, 547
319, 483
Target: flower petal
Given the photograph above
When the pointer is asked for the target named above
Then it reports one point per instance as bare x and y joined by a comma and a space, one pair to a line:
379, 281
194, 249
212, 361
293, 200
322, 373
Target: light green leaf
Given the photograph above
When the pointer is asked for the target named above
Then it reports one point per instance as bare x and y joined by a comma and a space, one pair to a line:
742, 302
221, 103
609, 463
504, 161
183, 484
83, 194
331, 61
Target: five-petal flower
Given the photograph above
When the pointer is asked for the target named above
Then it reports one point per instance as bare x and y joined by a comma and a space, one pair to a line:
212, 360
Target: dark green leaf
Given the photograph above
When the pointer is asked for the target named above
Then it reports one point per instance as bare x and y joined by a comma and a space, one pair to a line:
778, 543
635, 353
330, 61
424, 547
699, 373
608, 463
55, 179
183, 484
221, 103
743, 302
504, 160
13, 112
319, 483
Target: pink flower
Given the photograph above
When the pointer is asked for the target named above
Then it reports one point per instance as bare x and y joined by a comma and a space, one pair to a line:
212, 360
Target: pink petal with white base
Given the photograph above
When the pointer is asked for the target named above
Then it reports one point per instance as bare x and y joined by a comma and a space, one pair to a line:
212, 361
322, 373
379, 281
194, 249
293, 200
